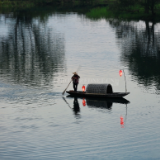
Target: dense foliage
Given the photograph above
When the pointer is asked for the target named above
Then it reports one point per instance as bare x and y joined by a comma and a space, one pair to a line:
139, 7
148, 6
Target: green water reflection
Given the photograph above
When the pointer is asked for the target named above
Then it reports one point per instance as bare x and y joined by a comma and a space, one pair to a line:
140, 50
31, 51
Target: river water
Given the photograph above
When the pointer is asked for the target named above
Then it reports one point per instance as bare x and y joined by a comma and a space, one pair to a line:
39, 52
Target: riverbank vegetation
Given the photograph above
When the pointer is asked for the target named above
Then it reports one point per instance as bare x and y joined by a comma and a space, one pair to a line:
125, 9
37, 3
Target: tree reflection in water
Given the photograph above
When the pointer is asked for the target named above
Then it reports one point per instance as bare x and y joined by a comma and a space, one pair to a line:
140, 48
31, 53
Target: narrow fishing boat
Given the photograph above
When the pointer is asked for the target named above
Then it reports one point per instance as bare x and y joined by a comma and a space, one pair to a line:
98, 90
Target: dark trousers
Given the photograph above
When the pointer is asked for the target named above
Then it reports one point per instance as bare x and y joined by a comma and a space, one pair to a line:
75, 85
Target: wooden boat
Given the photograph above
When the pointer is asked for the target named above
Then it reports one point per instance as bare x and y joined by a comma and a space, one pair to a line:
108, 95
98, 90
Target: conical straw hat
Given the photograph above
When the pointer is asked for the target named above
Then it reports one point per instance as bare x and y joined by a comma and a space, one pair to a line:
75, 73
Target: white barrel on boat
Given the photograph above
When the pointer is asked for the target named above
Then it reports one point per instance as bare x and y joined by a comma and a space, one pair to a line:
99, 88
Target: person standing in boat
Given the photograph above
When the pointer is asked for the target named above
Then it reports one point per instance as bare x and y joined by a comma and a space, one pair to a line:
75, 79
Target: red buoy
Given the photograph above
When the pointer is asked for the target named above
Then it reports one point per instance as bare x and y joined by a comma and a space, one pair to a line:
121, 122
84, 102
120, 72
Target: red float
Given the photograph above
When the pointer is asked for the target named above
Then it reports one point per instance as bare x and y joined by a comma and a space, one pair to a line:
121, 122
84, 102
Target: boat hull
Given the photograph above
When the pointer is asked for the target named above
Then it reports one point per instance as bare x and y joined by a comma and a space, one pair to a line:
110, 95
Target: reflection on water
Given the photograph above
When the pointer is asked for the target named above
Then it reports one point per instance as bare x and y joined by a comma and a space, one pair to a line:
98, 103
140, 47
31, 53
76, 108
102, 103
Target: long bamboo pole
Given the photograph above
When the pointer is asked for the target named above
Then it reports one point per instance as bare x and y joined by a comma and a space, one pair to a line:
67, 102
67, 87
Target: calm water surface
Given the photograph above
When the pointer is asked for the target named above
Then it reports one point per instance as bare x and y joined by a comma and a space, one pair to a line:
39, 52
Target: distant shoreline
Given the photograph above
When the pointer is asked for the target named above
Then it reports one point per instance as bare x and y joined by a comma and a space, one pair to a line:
95, 9
104, 12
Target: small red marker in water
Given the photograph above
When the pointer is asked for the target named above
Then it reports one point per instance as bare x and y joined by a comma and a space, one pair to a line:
84, 102
121, 122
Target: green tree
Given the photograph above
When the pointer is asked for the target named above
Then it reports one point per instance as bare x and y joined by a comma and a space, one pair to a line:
150, 6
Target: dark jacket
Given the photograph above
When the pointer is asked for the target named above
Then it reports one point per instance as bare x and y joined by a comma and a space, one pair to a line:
75, 79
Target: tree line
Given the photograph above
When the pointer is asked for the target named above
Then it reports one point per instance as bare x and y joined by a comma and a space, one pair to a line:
147, 6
